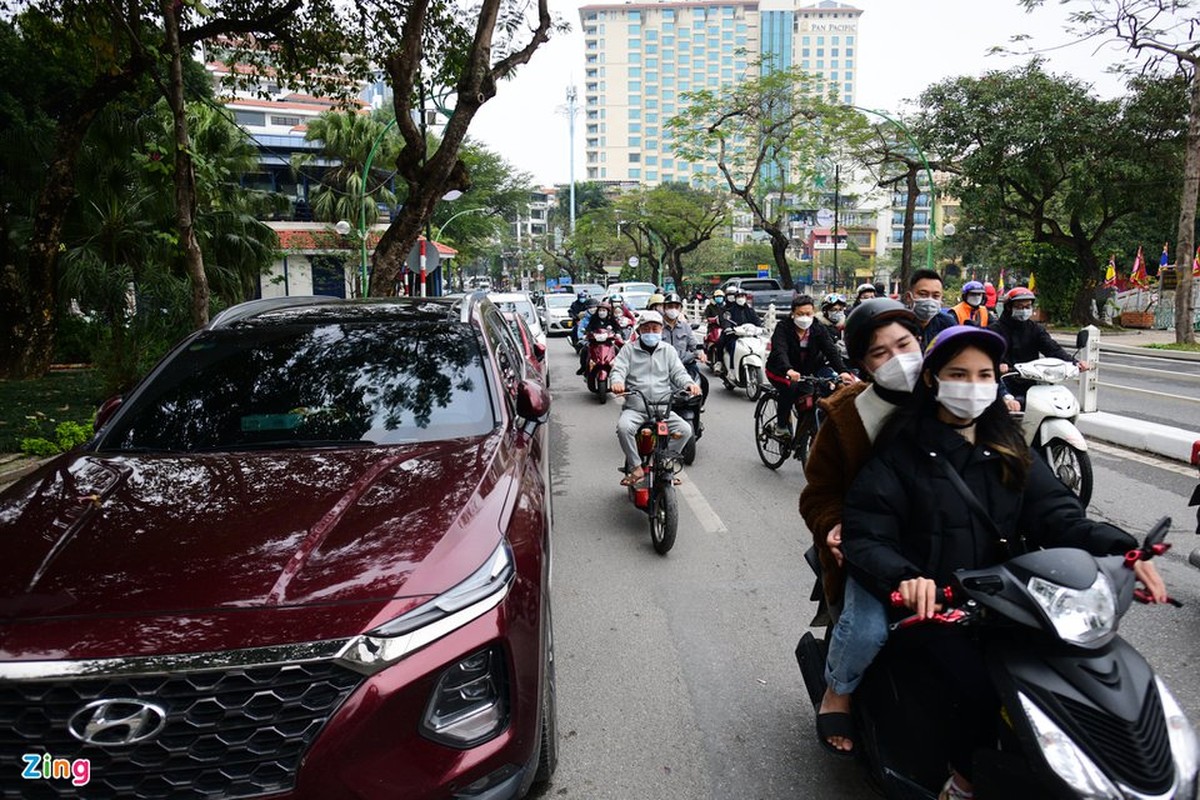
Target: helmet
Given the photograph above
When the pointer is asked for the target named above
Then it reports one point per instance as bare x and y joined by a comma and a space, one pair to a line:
869, 315
972, 286
718, 293
951, 341
1020, 293
832, 299
593, 303
649, 316
582, 297
654, 300
615, 297
863, 287
672, 298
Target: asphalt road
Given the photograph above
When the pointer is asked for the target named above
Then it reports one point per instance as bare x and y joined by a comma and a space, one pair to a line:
1151, 388
676, 674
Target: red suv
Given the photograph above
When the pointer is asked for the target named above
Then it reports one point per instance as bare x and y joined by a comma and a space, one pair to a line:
308, 556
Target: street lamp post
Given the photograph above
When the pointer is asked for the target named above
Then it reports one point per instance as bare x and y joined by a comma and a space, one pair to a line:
362, 211
928, 172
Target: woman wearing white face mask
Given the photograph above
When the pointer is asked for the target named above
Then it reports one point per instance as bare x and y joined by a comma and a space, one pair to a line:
947, 462
883, 340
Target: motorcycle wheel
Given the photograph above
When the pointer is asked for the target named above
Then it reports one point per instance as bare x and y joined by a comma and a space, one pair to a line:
772, 451
752, 386
664, 517
602, 388
1071, 466
804, 438
689, 452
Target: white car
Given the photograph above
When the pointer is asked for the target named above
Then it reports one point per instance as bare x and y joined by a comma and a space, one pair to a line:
558, 318
632, 287
521, 303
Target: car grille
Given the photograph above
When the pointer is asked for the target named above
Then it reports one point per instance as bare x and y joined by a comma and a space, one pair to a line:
228, 733
1139, 754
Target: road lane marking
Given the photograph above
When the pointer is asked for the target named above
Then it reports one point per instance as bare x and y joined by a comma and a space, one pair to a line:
1141, 458
1168, 395
1128, 368
709, 521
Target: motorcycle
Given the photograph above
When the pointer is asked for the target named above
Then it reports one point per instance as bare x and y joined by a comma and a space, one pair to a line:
1048, 422
1082, 713
689, 409
602, 350
748, 367
1194, 557
655, 493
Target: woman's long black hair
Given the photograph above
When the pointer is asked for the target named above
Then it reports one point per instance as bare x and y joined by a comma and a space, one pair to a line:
994, 428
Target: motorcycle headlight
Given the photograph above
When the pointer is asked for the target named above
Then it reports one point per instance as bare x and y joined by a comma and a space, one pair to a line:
1066, 759
1184, 745
428, 622
1080, 616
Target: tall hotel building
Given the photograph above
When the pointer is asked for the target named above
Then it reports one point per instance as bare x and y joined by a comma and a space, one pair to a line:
640, 57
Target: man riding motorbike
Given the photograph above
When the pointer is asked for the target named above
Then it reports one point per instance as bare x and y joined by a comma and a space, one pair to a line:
800, 347
678, 333
717, 305
654, 369
1027, 341
737, 312
973, 310
865, 291
924, 297
602, 320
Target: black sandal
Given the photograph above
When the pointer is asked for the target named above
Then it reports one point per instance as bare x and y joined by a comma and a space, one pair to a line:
835, 723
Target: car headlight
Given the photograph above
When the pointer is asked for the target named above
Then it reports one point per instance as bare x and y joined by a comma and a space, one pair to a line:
1066, 759
1080, 616
428, 622
1184, 745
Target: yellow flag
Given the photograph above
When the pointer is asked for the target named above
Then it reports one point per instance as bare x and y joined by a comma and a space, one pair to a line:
1032, 283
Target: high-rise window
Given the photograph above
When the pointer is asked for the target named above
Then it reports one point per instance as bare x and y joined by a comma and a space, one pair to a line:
635, 86
651, 36
635, 158
635, 72
635, 30
635, 44
635, 174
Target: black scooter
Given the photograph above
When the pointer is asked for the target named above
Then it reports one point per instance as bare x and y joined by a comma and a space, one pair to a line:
1083, 715
1194, 558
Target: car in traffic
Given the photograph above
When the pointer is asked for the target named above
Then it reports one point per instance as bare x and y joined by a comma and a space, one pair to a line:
557, 311
535, 353
308, 556
523, 304
632, 287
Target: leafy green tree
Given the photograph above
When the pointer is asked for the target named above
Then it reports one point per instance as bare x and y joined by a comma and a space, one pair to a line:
346, 139
673, 219
1041, 153
765, 134
499, 192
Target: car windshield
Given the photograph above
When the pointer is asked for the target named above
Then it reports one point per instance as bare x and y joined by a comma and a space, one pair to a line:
522, 307
760, 286
294, 385
559, 300
637, 301
648, 288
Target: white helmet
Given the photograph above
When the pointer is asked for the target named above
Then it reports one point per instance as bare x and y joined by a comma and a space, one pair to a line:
649, 316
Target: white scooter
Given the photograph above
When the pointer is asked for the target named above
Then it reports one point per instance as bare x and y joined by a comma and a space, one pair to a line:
1048, 422
748, 368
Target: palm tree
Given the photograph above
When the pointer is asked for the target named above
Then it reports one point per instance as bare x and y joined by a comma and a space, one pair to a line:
347, 138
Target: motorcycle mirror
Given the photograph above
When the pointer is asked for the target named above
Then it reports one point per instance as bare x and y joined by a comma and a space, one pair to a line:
1081, 339
1157, 534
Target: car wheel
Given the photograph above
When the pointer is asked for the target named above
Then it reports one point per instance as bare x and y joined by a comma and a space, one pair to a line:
548, 748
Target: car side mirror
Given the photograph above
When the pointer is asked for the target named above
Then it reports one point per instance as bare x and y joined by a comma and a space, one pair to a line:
106, 411
533, 401
1081, 339
539, 350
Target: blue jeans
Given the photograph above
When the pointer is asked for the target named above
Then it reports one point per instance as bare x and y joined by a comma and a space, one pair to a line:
859, 635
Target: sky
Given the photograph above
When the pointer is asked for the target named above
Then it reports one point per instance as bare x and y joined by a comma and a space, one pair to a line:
903, 47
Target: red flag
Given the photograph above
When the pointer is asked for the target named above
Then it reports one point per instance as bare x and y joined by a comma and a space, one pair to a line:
1196, 263
1138, 276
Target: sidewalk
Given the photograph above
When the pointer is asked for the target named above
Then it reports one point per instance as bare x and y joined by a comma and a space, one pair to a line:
1166, 441
1130, 341
14, 466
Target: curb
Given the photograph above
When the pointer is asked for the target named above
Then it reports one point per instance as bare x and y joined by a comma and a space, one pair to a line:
1176, 444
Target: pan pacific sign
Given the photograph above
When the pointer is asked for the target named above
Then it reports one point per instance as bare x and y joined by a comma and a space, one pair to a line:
831, 27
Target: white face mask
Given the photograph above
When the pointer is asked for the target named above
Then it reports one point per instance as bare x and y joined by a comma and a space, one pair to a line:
900, 372
803, 322
741, 301
964, 399
1022, 314
836, 316
974, 300
672, 313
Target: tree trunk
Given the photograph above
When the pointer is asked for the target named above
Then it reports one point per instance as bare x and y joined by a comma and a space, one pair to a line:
1081, 309
185, 174
779, 246
676, 269
391, 253
910, 214
1185, 238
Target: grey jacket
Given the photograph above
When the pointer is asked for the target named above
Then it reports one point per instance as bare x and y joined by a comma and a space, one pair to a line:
683, 339
656, 374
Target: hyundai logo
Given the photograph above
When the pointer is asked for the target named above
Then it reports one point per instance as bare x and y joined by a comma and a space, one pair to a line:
116, 722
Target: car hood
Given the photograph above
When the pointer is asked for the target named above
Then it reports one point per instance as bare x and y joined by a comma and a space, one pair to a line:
347, 537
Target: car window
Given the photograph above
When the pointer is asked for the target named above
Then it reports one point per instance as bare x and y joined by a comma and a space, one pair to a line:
509, 354
559, 300
308, 385
522, 307
759, 286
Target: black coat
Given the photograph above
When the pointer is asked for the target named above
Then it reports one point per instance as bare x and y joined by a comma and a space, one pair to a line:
942, 320
787, 352
903, 518
1027, 341
735, 315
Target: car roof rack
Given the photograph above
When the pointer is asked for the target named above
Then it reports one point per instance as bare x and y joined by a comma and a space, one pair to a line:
252, 308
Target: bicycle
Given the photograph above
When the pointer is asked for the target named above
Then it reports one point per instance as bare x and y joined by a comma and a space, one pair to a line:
773, 449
